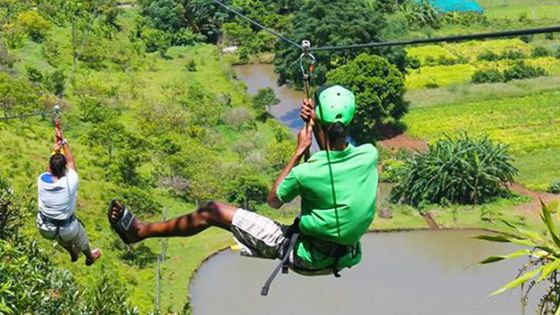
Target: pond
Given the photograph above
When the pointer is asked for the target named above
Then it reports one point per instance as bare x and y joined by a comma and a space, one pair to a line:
420, 272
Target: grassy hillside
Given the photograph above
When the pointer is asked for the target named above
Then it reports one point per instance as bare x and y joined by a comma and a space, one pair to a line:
155, 100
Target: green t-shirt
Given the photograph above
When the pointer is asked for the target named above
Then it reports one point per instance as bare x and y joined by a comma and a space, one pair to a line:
355, 182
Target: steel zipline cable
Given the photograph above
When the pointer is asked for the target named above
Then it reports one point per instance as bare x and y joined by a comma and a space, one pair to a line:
257, 24
445, 39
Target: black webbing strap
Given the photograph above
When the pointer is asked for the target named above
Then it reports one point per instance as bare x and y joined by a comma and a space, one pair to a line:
292, 234
281, 265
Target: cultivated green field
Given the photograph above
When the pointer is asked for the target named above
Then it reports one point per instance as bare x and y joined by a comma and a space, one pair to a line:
464, 57
529, 124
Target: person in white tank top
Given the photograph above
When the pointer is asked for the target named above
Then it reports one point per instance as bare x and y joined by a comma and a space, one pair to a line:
58, 190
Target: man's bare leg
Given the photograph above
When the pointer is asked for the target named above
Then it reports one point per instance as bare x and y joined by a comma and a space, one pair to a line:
210, 214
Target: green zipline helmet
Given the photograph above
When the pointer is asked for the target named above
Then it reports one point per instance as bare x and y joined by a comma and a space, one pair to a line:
335, 104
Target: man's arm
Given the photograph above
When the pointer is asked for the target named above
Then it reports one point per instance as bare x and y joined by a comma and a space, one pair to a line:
308, 114
70, 162
304, 142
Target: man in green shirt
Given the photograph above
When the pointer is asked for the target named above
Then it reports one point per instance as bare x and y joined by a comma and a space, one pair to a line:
337, 186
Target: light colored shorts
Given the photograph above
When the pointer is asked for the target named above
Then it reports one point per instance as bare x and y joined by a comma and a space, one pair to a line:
72, 235
259, 236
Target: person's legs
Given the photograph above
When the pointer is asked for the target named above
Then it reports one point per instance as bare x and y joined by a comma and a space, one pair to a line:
75, 235
71, 249
212, 213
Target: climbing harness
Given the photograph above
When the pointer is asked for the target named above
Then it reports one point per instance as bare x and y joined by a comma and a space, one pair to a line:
57, 223
291, 235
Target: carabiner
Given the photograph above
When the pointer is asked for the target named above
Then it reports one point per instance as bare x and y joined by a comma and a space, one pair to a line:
306, 54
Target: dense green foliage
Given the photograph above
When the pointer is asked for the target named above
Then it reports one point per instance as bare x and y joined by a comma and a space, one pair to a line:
487, 76
518, 71
327, 23
379, 89
554, 187
463, 170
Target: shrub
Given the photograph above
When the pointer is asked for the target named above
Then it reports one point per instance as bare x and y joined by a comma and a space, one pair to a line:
55, 82
540, 52
34, 25
558, 53
523, 71
513, 55
487, 76
52, 52
238, 117
488, 55
191, 66
554, 186
460, 170
140, 201
414, 63
33, 75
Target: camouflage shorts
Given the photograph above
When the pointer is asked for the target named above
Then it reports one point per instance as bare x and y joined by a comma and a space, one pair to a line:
259, 236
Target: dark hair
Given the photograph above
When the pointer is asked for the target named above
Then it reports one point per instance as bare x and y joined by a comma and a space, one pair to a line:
57, 164
335, 131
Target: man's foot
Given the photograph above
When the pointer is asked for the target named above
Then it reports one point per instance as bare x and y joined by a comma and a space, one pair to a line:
94, 256
124, 223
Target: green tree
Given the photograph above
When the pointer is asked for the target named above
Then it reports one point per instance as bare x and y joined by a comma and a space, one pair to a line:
34, 25
263, 100
17, 96
249, 191
108, 136
55, 82
325, 23
94, 111
156, 40
165, 15
379, 89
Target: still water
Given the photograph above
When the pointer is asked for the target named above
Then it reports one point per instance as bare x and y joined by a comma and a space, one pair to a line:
259, 76
421, 272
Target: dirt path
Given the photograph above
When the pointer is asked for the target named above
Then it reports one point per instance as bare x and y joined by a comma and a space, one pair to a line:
403, 141
533, 207
432, 224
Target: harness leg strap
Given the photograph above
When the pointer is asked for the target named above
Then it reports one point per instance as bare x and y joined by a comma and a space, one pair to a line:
281, 265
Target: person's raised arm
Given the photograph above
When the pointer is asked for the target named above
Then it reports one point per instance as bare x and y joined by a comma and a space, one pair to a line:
308, 114
303, 143
70, 162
